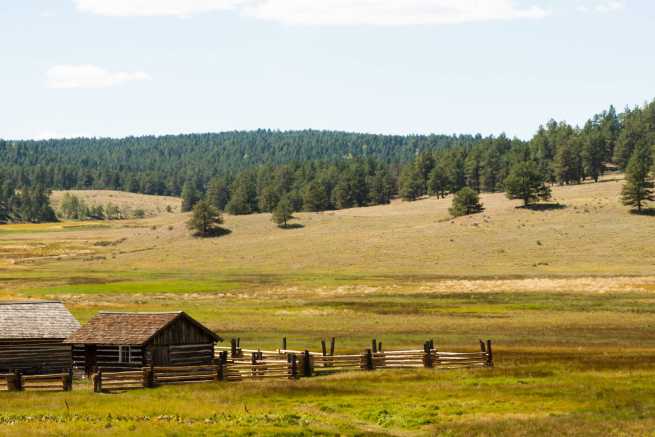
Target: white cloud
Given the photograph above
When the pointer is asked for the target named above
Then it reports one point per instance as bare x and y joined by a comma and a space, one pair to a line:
89, 76
327, 12
602, 6
180, 8
388, 12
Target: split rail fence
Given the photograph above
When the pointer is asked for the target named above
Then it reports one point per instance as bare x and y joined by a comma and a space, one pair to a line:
236, 364
48, 382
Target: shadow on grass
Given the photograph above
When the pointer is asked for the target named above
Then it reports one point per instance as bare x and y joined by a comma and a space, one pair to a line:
544, 206
213, 233
292, 226
646, 211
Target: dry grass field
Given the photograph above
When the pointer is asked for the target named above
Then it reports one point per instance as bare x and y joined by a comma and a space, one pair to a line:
151, 205
567, 294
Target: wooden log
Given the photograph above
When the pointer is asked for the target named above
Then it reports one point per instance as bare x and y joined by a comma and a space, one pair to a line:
97, 382
284, 343
370, 365
374, 345
307, 365
332, 344
490, 356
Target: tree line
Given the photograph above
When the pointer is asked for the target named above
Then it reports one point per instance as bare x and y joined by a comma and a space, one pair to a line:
248, 172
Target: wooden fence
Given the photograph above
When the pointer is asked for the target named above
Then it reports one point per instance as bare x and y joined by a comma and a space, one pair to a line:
48, 382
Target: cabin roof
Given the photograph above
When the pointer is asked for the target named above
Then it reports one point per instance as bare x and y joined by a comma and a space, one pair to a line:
36, 320
129, 328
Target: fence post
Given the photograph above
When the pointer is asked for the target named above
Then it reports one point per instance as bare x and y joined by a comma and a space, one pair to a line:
370, 364
148, 377
332, 340
284, 343
19, 380
307, 367
323, 347
253, 361
67, 380
97, 382
427, 358
374, 343
490, 355
233, 347
483, 348
293, 362
12, 382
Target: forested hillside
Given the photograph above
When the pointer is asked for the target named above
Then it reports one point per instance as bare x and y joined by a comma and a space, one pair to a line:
245, 172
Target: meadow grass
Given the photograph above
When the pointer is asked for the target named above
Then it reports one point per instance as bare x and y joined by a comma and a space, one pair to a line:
566, 295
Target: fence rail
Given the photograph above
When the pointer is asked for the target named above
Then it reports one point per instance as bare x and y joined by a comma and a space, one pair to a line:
234, 364
48, 382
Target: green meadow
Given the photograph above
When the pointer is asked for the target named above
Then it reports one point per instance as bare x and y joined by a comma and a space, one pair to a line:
567, 297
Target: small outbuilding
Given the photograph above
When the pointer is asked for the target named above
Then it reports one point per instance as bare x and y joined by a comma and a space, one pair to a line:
130, 340
32, 336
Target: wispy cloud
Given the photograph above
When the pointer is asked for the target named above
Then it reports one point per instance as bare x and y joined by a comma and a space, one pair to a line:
89, 76
327, 12
388, 12
180, 8
602, 6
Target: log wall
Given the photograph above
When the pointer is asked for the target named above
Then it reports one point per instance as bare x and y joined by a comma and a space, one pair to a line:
31, 356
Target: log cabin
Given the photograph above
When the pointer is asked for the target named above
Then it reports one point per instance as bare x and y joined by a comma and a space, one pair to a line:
116, 341
32, 335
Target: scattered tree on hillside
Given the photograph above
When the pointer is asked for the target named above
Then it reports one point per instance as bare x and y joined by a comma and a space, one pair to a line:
218, 194
189, 196
411, 184
438, 182
527, 183
466, 202
282, 212
638, 187
205, 219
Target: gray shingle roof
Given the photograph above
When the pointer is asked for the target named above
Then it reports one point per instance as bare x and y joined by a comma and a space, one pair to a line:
128, 328
30, 320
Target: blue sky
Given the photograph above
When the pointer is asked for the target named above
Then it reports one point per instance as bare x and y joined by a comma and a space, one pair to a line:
136, 67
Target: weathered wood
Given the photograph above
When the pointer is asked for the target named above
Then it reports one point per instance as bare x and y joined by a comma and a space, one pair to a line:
490, 356
369, 363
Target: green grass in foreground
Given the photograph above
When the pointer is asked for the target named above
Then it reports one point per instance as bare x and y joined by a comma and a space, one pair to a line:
539, 397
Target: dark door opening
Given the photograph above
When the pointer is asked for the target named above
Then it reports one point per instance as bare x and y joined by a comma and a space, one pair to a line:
90, 358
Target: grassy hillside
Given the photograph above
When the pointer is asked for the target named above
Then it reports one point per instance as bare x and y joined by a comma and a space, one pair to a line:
566, 293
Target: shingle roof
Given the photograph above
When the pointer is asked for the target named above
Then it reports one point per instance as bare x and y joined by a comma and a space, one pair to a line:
127, 328
36, 320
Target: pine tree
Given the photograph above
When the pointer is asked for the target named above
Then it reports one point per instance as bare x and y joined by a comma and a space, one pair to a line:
218, 194
315, 198
381, 187
527, 183
639, 185
282, 212
411, 184
465, 202
205, 219
438, 181
189, 196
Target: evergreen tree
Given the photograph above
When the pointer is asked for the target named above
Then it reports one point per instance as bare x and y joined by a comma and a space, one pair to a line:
381, 187
527, 183
638, 187
438, 181
315, 198
283, 212
189, 196
218, 194
424, 164
411, 184
205, 219
473, 168
594, 151
465, 202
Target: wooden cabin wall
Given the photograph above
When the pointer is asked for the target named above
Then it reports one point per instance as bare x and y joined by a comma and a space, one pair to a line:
34, 355
107, 357
191, 354
181, 331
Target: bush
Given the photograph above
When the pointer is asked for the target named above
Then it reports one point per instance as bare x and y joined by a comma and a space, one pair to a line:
466, 202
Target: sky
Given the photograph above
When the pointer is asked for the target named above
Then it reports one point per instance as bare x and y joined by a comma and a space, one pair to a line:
140, 67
